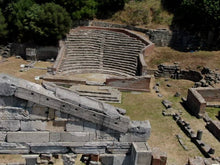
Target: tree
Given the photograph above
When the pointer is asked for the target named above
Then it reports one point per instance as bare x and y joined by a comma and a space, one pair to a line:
3, 26
107, 8
55, 22
16, 13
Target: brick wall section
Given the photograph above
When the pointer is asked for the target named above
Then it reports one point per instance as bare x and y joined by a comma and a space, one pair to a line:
198, 98
195, 102
128, 84
210, 94
214, 128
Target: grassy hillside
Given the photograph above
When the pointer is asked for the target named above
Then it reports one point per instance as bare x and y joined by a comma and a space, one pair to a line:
146, 13
187, 60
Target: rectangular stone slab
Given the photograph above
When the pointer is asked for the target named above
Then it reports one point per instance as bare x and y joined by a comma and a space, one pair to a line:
28, 137
9, 125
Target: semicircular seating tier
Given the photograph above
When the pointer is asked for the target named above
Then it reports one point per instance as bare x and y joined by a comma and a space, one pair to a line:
101, 50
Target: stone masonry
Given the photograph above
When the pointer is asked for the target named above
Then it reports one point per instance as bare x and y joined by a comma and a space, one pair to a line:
54, 120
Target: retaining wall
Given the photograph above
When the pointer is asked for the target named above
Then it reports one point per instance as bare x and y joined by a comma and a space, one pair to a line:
42, 52
130, 84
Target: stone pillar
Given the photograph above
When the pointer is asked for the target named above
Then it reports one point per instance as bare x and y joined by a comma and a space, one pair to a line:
140, 154
30, 159
199, 135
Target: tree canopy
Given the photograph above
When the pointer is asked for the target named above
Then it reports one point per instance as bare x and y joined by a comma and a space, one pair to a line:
47, 21
3, 26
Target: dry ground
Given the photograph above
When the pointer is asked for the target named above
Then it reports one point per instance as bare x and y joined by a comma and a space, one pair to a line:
188, 60
12, 67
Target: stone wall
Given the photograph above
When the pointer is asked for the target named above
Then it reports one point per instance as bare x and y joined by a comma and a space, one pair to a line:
176, 38
199, 98
42, 52
214, 127
50, 119
130, 84
174, 71
195, 102
210, 94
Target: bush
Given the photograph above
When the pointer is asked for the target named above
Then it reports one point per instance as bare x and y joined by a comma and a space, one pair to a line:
134, 14
45, 24
3, 26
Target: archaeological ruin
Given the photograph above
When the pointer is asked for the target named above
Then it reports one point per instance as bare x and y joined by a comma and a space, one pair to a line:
49, 119
63, 115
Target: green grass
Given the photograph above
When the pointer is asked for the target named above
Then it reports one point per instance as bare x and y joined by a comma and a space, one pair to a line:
212, 112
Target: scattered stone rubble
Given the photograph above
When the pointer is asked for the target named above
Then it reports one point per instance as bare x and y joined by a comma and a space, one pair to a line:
54, 120
202, 161
5, 50
206, 78
158, 157
205, 149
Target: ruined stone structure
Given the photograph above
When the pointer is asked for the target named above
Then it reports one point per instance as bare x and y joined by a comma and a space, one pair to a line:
214, 127
103, 50
199, 98
174, 71
49, 119
130, 84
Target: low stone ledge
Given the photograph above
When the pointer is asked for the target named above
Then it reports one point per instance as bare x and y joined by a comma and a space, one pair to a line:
28, 137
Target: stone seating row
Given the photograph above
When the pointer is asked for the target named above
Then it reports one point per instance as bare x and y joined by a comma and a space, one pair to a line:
101, 49
120, 68
104, 71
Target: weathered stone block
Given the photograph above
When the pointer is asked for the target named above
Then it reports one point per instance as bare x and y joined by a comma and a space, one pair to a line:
51, 114
13, 113
56, 126
7, 89
88, 150
102, 135
13, 148
89, 126
28, 137
54, 136
59, 116
49, 149
114, 159
2, 136
36, 125
10, 125
139, 126
74, 126
37, 112
74, 136
134, 137
140, 154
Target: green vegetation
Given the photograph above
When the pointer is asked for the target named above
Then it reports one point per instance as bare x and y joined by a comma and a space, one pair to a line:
212, 112
47, 21
143, 13
27, 19
3, 26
